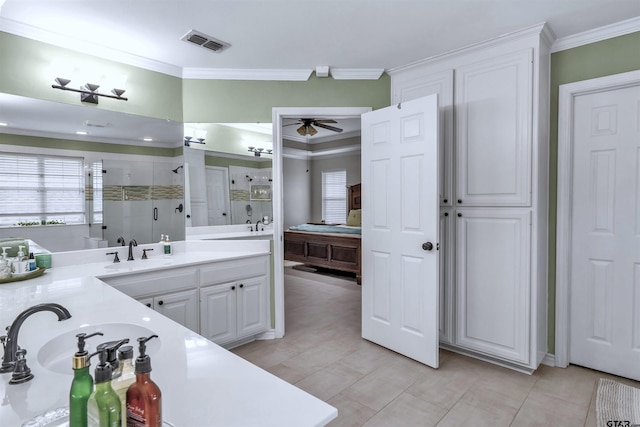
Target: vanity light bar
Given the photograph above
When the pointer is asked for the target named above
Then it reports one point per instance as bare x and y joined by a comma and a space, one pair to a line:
88, 92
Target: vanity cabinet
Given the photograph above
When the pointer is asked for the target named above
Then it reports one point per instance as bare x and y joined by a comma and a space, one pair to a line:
232, 310
494, 109
225, 301
172, 292
181, 307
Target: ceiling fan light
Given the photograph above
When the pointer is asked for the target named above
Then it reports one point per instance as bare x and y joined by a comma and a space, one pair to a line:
311, 131
302, 130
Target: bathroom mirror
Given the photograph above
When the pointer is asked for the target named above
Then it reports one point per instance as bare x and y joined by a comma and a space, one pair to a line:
132, 177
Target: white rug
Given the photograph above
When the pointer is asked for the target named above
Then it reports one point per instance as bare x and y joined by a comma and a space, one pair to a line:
617, 402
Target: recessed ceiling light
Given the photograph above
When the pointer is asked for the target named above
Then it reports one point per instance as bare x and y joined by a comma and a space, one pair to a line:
4, 124
147, 139
81, 132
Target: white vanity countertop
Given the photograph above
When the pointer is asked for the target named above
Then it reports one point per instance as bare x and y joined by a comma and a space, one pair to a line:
237, 231
202, 384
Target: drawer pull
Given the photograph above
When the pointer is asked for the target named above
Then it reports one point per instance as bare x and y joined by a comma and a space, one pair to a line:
241, 285
160, 302
233, 288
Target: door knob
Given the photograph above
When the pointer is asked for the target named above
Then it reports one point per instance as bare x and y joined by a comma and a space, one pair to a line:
427, 246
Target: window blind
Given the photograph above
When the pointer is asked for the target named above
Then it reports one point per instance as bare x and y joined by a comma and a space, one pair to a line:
334, 197
96, 206
37, 189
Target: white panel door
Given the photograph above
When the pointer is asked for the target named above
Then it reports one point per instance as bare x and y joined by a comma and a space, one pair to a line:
400, 228
605, 265
218, 195
252, 306
218, 312
181, 307
493, 101
442, 84
493, 281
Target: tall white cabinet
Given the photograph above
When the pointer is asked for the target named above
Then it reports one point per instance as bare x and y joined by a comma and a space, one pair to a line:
493, 190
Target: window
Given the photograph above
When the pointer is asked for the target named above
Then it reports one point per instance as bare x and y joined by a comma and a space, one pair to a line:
334, 197
41, 189
96, 204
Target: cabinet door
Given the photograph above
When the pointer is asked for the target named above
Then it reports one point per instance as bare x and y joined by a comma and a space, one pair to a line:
181, 307
218, 312
493, 282
252, 306
493, 101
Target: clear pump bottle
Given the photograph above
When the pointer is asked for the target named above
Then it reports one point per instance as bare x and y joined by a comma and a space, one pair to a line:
144, 400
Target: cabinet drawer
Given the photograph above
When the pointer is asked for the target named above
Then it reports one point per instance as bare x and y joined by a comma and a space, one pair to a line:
230, 271
156, 282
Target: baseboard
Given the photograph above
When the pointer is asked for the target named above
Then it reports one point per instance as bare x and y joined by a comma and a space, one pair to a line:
269, 335
549, 360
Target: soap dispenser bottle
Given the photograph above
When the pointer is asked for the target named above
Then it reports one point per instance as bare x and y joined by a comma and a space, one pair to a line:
144, 400
167, 245
111, 347
82, 384
123, 378
103, 407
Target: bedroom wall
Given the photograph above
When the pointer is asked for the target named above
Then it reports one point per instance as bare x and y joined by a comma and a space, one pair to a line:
350, 163
297, 191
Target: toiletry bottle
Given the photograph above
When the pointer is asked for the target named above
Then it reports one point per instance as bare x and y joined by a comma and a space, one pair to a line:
19, 264
32, 262
167, 245
111, 348
144, 400
161, 239
124, 378
82, 384
103, 407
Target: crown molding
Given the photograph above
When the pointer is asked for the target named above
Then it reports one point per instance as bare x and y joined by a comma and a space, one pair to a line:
532, 30
597, 34
246, 74
79, 45
295, 153
356, 73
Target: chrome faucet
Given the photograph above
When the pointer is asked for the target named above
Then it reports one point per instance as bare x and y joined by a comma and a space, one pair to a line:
120, 240
132, 243
11, 342
259, 222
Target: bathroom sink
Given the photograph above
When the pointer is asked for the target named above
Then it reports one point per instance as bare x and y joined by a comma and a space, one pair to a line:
139, 264
56, 354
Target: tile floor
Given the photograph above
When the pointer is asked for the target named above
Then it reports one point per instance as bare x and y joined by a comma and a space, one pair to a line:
324, 354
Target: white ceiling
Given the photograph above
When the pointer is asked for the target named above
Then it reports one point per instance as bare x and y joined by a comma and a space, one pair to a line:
294, 34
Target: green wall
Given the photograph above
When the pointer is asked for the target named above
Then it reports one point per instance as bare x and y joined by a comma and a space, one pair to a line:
29, 68
225, 162
608, 57
241, 101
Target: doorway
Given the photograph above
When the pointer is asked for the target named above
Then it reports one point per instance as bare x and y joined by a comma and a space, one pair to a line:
598, 278
280, 114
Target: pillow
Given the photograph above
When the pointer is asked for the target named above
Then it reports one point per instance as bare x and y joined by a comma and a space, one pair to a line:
355, 218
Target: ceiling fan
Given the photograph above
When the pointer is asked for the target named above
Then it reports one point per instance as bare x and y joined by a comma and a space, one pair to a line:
307, 129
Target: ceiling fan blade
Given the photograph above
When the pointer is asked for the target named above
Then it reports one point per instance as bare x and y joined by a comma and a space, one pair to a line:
291, 124
333, 128
324, 121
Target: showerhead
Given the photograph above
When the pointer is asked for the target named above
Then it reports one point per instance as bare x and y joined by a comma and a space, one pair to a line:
176, 169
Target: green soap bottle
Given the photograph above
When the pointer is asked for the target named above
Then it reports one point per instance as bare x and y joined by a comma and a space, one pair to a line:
82, 384
103, 407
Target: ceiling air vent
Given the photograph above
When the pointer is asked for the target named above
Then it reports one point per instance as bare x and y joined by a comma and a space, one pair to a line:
205, 41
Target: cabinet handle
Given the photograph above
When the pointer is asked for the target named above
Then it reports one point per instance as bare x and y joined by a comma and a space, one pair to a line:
459, 214
148, 304
241, 285
446, 214
459, 200
445, 200
233, 288
160, 302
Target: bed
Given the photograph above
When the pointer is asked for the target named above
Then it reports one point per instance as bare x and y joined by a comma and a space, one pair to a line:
334, 247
